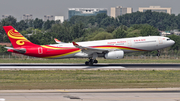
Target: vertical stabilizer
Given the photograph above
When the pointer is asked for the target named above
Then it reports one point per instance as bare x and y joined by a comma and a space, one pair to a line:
16, 38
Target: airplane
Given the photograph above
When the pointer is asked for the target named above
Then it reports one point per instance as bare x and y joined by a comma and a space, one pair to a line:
109, 49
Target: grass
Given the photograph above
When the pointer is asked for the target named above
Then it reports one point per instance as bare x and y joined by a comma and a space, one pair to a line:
74, 60
88, 79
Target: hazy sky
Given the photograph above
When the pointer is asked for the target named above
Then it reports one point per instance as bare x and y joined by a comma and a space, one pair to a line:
39, 8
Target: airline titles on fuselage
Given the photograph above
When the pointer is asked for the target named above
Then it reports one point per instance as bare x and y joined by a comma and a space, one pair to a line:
136, 40
139, 40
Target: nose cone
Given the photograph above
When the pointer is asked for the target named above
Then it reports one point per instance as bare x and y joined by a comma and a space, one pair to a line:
171, 42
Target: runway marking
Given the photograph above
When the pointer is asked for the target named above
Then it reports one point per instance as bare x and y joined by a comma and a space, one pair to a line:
1, 99
60, 67
62, 91
155, 89
68, 66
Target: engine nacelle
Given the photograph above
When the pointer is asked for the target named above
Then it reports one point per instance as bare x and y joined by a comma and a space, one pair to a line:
114, 55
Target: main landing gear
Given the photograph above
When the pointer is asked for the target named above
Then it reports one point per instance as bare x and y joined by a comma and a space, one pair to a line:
92, 59
158, 54
91, 62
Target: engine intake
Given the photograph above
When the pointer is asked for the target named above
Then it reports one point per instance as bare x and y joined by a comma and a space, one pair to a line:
114, 55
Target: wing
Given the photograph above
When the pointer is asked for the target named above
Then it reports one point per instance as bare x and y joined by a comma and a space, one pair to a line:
83, 48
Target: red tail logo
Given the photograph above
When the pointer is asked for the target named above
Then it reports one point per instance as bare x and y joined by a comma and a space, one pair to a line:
16, 38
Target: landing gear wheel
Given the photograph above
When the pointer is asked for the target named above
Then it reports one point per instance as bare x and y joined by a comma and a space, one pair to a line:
91, 62
95, 61
86, 63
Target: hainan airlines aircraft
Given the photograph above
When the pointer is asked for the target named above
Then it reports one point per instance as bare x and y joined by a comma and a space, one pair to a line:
109, 49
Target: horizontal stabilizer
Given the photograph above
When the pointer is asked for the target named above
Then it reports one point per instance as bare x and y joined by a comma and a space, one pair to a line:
22, 50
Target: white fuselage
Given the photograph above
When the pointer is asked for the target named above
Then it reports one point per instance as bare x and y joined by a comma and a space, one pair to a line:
134, 44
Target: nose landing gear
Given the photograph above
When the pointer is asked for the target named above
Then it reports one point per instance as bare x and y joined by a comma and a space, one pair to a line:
158, 54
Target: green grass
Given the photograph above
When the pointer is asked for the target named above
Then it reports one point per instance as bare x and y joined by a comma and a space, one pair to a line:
88, 79
38, 60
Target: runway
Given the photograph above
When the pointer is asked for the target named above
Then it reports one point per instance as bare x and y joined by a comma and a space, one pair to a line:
67, 66
140, 94
145, 94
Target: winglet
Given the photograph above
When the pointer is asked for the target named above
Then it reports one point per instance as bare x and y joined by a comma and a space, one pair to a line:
75, 44
58, 41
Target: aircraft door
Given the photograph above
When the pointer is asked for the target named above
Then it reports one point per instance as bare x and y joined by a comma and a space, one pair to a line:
40, 50
160, 40
129, 43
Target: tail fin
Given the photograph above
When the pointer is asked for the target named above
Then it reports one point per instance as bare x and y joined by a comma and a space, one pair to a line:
16, 38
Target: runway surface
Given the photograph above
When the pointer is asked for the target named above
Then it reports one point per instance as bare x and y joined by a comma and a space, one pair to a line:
147, 94
66, 66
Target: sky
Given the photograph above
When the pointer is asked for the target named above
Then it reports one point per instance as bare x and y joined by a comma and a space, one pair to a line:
39, 8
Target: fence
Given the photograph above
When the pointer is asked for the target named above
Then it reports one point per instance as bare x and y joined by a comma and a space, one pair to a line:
14, 56
151, 57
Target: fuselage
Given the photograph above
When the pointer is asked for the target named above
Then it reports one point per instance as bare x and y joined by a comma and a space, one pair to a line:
135, 44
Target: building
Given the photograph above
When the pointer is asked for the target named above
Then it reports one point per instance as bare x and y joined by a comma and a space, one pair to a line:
175, 32
5, 16
165, 33
119, 10
85, 11
27, 17
155, 9
172, 32
61, 18
48, 17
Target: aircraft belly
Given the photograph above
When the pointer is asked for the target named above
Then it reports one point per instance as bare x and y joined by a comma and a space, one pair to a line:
66, 56
128, 51
81, 54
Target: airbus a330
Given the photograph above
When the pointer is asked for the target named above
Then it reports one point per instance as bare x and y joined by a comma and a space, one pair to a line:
109, 49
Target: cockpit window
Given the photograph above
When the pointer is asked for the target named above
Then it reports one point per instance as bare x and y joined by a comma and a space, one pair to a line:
168, 39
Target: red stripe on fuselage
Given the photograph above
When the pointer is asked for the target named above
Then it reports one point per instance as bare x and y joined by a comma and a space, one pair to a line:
46, 52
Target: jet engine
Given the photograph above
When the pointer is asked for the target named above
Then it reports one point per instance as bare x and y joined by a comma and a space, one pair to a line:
114, 55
